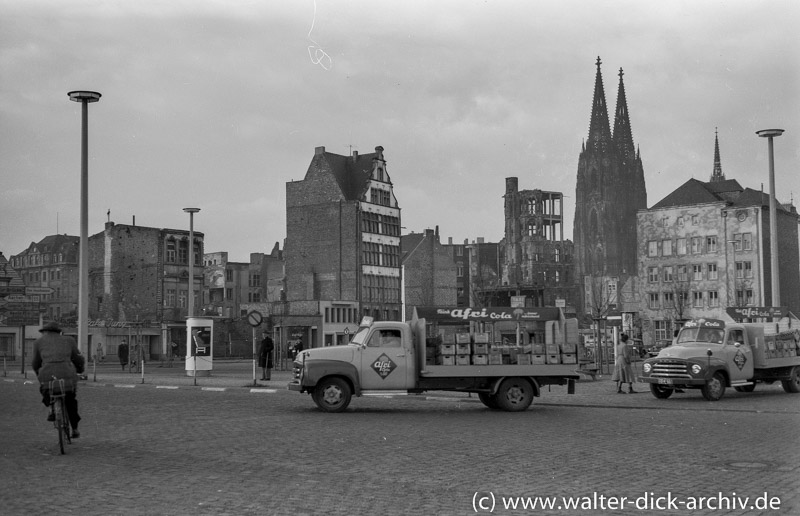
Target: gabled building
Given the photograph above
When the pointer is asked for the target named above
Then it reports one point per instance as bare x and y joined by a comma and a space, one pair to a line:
342, 247
706, 247
610, 190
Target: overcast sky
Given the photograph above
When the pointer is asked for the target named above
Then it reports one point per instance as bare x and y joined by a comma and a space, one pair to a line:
218, 104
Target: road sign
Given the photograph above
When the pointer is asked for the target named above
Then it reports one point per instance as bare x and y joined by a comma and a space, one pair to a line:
22, 318
38, 291
255, 318
17, 306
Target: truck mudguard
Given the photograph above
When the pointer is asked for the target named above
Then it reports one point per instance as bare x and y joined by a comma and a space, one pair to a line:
315, 370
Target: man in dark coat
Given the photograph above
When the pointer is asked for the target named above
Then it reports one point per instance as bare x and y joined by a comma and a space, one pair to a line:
265, 356
122, 353
56, 356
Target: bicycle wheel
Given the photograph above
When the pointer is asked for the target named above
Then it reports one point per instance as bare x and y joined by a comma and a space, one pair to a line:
65, 421
58, 412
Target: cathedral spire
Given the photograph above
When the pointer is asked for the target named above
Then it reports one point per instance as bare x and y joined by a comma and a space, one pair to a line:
717, 174
623, 139
599, 131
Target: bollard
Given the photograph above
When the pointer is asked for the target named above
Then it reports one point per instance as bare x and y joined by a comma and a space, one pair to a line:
143, 371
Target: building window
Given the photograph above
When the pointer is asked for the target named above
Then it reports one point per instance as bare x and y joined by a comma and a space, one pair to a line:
669, 299
661, 330
695, 220
557, 278
183, 251
653, 301
713, 274
748, 269
697, 272
228, 275
679, 221
668, 273
229, 293
749, 296
169, 300
459, 250
556, 255
697, 248
682, 274
182, 297
652, 248
740, 270
664, 221
652, 274
697, 298
666, 247
713, 298
255, 280
531, 231
737, 241
747, 241
681, 246
711, 244
171, 253
460, 271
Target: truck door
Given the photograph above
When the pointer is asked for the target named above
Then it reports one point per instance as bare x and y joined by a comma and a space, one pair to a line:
739, 358
384, 361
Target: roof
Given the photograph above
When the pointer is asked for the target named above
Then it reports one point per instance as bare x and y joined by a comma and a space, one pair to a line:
353, 175
728, 191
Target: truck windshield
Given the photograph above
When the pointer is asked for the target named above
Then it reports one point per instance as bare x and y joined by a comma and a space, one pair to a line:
689, 335
360, 335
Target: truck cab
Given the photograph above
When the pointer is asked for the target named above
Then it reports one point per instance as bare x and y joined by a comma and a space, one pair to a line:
712, 355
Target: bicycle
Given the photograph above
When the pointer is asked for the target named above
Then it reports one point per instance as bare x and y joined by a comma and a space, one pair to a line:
58, 407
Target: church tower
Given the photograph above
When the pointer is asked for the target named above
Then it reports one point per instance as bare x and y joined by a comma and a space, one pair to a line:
610, 189
717, 174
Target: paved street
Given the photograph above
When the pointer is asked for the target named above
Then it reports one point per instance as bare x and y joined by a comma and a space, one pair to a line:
166, 446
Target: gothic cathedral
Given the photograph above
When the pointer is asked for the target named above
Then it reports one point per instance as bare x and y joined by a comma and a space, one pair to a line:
610, 189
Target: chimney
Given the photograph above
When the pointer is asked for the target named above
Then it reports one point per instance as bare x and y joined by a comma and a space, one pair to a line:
355, 155
134, 221
319, 151
480, 240
379, 152
449, 240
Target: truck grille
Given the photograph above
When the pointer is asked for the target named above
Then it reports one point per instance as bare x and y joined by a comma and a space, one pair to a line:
670, 370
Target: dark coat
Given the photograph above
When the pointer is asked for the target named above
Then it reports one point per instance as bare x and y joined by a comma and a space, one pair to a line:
57, 355
122, 352
265, 352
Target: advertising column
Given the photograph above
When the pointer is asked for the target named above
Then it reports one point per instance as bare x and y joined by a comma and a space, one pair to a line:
199, 346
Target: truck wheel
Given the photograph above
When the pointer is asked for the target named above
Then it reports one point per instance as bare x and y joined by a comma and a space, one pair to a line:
714, 389
793, 383
332, 395
660, 392
745, 388
514, 394
489, 400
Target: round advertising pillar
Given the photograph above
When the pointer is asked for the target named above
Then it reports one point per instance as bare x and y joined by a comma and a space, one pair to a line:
199, 346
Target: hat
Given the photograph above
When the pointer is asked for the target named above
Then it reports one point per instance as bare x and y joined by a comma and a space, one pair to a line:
51, 326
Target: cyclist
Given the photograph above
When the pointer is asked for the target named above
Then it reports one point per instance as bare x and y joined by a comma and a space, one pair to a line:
56, 355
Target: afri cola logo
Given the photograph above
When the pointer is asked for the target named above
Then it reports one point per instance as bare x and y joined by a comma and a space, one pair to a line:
384, 366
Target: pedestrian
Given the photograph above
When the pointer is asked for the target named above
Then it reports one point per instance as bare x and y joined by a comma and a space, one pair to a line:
173, 352
623, 373
56, 356
99, 355
265, 356
122, 353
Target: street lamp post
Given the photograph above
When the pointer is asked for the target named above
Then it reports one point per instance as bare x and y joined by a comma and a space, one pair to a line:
733, 246
85, 98
191, 212
773, 217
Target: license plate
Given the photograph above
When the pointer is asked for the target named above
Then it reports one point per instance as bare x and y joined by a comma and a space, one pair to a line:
665, 381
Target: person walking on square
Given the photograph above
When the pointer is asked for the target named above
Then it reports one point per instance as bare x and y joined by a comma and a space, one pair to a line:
122, 353
56, 356
623, 373
265, 356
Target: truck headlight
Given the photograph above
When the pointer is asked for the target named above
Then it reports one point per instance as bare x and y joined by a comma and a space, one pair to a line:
647, 367
696, 368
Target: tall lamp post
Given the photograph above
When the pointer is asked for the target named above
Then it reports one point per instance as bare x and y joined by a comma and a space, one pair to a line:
773, 217
733, 289
85, 98
191, 212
